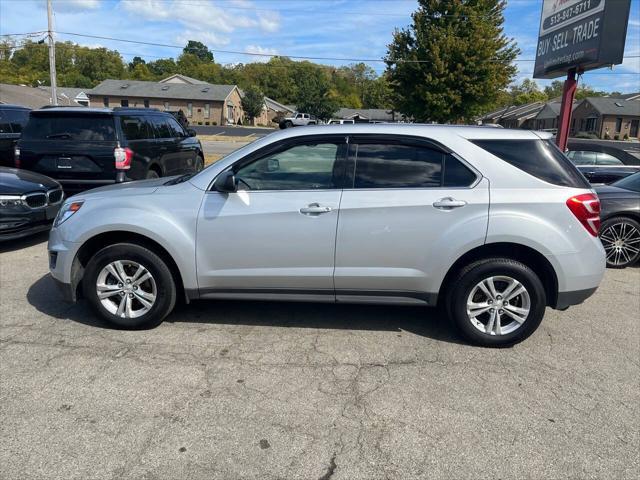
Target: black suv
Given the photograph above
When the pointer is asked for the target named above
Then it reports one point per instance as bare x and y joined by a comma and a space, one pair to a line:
13, 118
87, 147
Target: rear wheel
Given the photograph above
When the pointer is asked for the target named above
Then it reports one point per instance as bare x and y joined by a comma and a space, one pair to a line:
288, 124
129, 286
496, 302
620, 237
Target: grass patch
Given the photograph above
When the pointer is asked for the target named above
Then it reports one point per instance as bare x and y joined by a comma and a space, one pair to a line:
226, 138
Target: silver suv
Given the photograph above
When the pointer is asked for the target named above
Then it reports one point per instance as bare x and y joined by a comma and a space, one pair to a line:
492, 225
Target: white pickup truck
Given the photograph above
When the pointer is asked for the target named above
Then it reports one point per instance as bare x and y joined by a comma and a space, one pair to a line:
298, 119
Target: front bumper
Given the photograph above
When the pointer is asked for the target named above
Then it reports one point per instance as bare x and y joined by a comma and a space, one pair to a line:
63, 265
19, 223
66, 290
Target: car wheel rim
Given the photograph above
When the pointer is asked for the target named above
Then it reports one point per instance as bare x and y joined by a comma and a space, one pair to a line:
126, 289
621, 242
498, 305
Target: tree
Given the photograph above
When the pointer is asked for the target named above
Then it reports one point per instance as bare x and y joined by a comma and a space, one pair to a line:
313, 94
527, 92
135, 62
198, 49
252, 102
452, 61
554, 90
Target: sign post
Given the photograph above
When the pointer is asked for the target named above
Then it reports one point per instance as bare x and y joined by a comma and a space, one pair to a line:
568, 93
576, 36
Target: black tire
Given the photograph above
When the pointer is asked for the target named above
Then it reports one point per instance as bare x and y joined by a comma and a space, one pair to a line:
165, 298
288, 124
199, 165
465, 281
621, 255
152, 174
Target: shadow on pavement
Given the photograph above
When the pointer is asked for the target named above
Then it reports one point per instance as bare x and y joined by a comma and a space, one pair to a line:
427, 322
26, 242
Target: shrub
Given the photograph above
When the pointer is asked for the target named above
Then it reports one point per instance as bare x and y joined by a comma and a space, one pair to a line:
616, 137
206, 123
586, 135
626, 136
214, 123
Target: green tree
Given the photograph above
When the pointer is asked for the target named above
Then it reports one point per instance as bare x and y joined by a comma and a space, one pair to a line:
198, 49
555, 89
313, 92
135, 62
527, 92
163, 67
464, 58
252, 102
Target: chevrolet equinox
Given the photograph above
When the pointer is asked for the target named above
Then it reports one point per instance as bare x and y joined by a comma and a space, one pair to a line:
491, 225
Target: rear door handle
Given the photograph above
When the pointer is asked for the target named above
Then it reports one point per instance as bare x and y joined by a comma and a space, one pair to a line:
448, 203
314, 209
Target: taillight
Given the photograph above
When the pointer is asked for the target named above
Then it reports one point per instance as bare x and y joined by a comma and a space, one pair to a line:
16, 156
586, 208
123, 157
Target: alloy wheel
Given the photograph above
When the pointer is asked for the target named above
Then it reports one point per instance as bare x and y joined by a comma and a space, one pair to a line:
498, 305
126, 289
621, 243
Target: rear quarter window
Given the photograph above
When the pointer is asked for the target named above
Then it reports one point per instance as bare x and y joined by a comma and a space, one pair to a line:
540, 158
70, 127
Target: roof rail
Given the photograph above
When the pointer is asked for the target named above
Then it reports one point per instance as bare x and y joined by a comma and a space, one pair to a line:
141, 109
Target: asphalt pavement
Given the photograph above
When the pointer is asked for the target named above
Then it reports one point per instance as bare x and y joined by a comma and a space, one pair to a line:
242, 390
231, 131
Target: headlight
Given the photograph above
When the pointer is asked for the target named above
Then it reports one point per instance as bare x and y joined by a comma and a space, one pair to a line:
9, 201
67, 210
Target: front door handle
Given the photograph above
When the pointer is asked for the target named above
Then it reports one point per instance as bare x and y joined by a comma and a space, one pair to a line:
314, 209
448, 203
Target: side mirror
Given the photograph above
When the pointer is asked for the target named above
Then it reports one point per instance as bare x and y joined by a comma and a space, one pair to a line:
191, 132
226, 182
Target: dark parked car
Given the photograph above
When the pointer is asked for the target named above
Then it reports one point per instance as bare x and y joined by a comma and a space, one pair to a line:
13, 118
620, 215
602, 163
87, 147
28, 202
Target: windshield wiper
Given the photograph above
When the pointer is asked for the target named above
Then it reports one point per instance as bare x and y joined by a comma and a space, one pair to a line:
59, 135
180, 179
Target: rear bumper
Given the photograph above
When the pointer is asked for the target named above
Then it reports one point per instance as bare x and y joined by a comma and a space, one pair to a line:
567, 299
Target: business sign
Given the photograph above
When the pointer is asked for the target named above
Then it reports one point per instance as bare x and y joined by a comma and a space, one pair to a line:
580, 34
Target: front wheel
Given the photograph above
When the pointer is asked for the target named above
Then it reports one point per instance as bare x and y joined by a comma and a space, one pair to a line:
496, 302
129, 286
620, 237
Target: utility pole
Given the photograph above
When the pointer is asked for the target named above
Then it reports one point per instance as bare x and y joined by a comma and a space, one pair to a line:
52, 54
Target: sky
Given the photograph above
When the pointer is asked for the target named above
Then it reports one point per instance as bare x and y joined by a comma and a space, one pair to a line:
335, 29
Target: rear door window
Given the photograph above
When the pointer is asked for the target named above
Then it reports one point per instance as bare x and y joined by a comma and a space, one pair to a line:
136, 127
391, 165
540, 158
70, 127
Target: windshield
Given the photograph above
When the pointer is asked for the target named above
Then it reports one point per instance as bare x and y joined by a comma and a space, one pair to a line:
70, 127
632, 182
